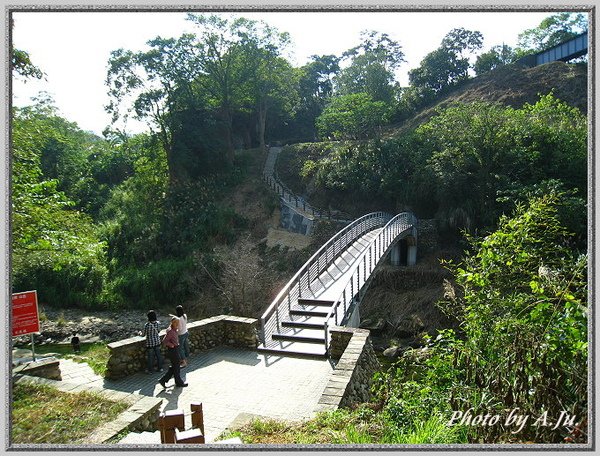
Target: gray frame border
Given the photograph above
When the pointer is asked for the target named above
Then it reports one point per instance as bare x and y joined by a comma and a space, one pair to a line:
309, 6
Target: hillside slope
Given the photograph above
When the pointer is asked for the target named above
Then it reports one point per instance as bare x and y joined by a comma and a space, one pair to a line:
513, 85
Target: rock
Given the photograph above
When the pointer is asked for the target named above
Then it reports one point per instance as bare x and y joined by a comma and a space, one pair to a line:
376, 327
408, 327
391, 352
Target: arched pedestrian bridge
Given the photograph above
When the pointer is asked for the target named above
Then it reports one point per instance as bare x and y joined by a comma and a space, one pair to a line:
328, 289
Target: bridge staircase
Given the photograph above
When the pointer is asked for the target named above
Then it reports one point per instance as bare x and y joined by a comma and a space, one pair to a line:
328, 288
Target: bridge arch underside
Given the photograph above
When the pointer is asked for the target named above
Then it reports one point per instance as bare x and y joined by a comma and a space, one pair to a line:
404, 252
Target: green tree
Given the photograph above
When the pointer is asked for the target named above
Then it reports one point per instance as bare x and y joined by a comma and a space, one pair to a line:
316, 83
71, 156
55, 249
372, 66
21, 65
522, 304
497, 56
448, 65
481, 149
353, 116
551, 31
156, 83
315, 88
274, 90
155, 231
231, 55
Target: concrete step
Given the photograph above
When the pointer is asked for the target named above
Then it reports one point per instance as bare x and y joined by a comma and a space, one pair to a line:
310, 312
287, 348
314, 302
305, 321
313, 336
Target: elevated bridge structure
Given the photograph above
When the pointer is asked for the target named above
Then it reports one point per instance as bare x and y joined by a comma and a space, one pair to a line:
565, 51
328, 288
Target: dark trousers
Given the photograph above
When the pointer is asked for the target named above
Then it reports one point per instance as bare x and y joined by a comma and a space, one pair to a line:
174, 369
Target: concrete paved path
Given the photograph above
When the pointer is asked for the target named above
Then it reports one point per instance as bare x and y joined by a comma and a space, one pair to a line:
228, 382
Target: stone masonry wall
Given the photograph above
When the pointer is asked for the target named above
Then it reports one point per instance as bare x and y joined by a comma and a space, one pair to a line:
429, 238
129, 355
46, 368
351, 380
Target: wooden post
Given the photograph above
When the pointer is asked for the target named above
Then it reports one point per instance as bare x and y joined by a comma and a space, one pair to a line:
167, 422
197, 416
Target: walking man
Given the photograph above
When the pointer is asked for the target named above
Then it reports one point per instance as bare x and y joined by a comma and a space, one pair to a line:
171, 341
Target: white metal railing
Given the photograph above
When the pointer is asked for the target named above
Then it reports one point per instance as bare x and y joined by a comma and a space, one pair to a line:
397, 227
271, 178
300, 284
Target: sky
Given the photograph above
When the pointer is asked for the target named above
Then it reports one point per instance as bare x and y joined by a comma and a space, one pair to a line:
73, 48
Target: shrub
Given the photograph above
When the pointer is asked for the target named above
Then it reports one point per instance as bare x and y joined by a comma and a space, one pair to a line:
520, 298
353, 116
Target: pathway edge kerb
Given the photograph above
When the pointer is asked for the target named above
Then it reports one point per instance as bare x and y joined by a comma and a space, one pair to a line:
141, 413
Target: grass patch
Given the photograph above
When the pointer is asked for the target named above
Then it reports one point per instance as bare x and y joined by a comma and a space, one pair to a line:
361, 426
94, 354
42, 414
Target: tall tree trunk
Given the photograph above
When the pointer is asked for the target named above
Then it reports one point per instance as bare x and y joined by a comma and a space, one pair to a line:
229, 149
227, 118
262, 122
247, 138
171, 165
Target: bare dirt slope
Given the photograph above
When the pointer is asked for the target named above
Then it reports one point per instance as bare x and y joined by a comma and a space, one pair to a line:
514, 85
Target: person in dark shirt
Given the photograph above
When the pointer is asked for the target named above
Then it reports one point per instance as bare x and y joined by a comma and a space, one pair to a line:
171, 341
151, 332
75, 343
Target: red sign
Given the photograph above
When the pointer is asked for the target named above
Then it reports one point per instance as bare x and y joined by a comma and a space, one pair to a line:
25, 318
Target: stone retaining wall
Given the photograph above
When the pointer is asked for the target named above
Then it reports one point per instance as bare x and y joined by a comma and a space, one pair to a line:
294, 221
351, 379
45, 368
429, 238
128, 356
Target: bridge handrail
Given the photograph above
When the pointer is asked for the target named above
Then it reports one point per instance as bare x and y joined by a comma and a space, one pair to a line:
377, 250
369, 221
298, 202
272, 179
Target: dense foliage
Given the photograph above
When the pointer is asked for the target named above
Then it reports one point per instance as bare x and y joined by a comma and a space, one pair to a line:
353, 116
55, 247
371, 67
448, 65
496, 57
521, 300
97, 224
466, 166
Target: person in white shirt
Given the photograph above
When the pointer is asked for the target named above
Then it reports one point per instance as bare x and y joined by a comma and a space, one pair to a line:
182, 332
